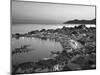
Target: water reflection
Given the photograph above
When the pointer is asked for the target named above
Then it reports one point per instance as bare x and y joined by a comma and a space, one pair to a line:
22, 49
40, 49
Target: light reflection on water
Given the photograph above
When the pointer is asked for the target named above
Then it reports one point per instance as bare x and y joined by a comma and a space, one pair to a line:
24, 28
41, 49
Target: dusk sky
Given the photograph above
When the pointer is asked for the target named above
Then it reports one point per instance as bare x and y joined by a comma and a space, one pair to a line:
49, 13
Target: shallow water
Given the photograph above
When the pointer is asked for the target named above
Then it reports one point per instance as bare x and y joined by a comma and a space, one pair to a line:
40, 49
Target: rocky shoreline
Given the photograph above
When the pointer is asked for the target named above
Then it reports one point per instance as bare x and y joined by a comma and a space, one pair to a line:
79, 50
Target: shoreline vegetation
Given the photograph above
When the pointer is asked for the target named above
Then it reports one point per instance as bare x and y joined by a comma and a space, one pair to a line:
79, 50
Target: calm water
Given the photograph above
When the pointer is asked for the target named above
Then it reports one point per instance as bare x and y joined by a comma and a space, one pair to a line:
24, 28
40, 48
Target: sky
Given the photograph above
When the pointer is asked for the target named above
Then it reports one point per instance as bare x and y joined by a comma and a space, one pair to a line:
24, 12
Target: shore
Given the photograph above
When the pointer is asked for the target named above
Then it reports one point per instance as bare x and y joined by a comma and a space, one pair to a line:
79, 50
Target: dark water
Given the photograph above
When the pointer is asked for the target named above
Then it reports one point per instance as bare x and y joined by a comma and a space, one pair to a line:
40, 49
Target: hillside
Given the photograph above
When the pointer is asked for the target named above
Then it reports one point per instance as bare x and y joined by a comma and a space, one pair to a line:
93, 21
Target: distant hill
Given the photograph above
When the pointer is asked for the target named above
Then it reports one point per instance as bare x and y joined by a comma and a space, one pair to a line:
93, 21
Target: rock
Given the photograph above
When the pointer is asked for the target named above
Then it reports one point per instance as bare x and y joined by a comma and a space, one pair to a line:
42, 70
74, 44
73, 66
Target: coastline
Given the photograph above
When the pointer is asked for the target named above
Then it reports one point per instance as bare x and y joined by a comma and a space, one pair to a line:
76, 44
